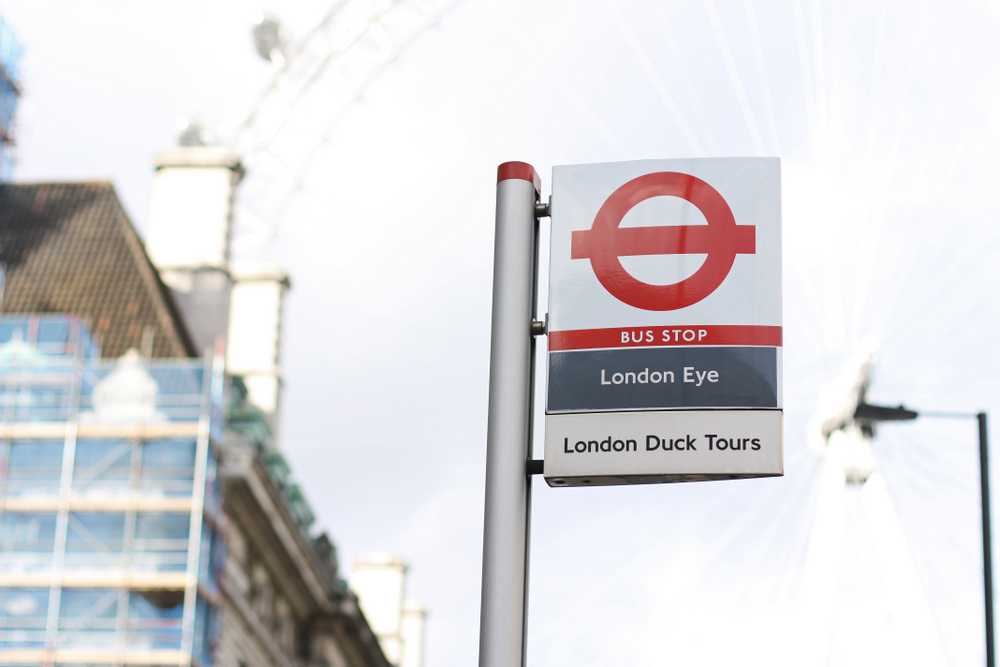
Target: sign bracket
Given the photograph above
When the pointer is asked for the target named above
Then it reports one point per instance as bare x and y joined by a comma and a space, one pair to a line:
542, 209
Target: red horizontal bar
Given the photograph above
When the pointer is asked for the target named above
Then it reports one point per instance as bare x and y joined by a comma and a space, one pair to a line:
668, 240
661, 336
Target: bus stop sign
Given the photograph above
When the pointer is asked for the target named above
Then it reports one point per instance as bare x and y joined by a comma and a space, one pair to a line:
665, 335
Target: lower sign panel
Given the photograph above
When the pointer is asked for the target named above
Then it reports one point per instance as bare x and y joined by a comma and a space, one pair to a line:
598, 449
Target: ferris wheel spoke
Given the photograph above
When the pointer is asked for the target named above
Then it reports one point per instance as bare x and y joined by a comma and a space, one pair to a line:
734, 77
654, 78
321, 76
805, 72
352, 31
680, 63
758, 57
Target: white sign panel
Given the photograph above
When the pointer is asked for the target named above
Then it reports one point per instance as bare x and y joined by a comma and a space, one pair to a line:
645, 447
664, 302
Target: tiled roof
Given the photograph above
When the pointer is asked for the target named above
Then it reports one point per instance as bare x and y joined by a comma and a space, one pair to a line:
70, 248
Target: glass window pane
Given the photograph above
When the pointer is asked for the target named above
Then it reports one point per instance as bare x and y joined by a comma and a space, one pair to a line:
34, 467
11, 324
158, 526
95, 539
213, 485
53, 331
87, 617
102, 465
22, 617
206, 630
181, 396
78, 604
161, 541
38, 458
168, 466
95, 531
23, 531
154, 619
212, 551
27, 541
172, 455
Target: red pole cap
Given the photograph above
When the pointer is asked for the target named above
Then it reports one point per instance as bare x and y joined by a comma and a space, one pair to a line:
521, 171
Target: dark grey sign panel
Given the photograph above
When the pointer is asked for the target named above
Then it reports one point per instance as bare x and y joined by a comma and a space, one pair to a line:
662, 378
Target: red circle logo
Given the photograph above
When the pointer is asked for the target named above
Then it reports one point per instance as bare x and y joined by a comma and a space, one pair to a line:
721, 239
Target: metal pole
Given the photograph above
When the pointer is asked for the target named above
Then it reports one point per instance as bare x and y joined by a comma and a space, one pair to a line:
984, 480
505, 528
880, 413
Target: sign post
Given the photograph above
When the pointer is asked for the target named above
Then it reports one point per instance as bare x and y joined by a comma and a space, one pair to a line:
664, 331
508, 487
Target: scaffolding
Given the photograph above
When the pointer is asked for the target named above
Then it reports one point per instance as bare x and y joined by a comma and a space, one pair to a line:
111, 520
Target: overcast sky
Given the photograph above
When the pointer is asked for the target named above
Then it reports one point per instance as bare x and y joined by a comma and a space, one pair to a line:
887, 120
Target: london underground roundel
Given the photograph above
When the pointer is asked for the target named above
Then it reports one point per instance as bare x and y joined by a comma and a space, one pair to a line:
721, 239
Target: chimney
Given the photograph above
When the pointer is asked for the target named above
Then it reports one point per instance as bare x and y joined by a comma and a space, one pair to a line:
377, 580
190, 228
413, 634
255, 333
188, 239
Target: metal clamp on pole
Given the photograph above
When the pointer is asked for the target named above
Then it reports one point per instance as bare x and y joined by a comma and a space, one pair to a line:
542, 209
508, 488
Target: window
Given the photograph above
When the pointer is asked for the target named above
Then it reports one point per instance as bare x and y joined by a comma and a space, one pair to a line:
156, 467
95, 539
161, 541
284, 625
95, 531
155, 619
261, 593
102, 466
27, 541
149, 619
27, 532
168, 466
212, 554
34, 467
23, 612
87, 617
53, 334
206, 630
213, 485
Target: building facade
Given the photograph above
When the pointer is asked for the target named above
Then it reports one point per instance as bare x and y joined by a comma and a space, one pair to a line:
146, 514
